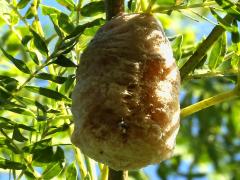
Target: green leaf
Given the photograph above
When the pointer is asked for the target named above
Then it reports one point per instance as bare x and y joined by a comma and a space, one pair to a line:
22, 111
3, 119
7, 164
27, 101
59, 155
91, 31
226, 25
93, 8
65, 23
50, 77
62, 128
6, 104
10, 84
4, 8
22, 4
29, 14
69, 49
42, 118
6, 125
42, 144
14, 124
29, 175
28, 128
48, 155
18, 63
39, 43
177, 47
218, 52
235, 36
132, 5
54, 111
234, 62
17, 135
166, 2
47, 10
11, 147
192, 175
44, 155
67, 86
4, 94
69, 4
34, 57
52, 170
67, 46
235, 118
56, 27
26, 39
47, 92
87, 177
64, 61
230, 7
80, 29
2, 141
138, 175
71, 173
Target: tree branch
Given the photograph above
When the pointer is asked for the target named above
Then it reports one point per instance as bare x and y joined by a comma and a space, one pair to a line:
113, 8
117, 175
202, 49
222, 97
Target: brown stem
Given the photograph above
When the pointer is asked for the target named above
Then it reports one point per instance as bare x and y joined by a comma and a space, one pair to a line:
113, 8
117, 175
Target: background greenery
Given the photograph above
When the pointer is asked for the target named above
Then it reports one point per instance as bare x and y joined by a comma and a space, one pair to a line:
41, 43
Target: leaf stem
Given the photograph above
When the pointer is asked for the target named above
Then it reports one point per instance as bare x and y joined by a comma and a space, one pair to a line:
222, 97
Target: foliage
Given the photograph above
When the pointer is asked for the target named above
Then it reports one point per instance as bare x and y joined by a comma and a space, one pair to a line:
41, 45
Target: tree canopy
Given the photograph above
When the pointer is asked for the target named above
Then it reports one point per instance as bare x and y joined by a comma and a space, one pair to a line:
41, 44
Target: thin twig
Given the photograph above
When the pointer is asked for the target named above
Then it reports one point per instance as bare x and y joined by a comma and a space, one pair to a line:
222, 97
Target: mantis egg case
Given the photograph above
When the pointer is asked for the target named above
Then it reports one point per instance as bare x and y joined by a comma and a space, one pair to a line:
126, 100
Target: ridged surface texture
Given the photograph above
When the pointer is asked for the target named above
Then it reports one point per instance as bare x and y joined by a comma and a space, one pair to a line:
125, 102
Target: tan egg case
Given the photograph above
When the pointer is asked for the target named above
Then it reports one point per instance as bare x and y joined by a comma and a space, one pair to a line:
126, 100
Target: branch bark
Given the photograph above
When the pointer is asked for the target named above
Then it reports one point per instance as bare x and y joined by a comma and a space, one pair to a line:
113, 8
117, 175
